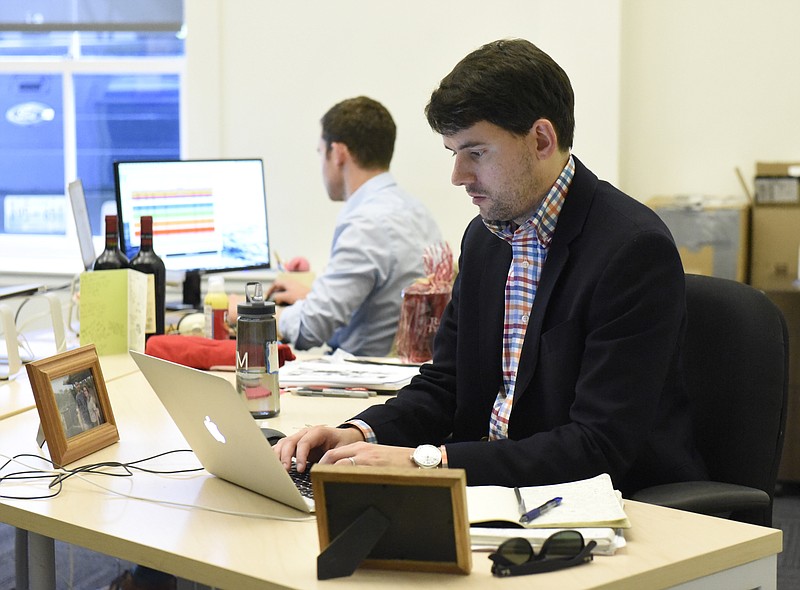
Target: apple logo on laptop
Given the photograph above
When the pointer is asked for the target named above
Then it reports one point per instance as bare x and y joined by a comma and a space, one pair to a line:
214, 429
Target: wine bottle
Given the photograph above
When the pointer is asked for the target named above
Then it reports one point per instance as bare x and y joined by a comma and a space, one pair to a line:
147, 261
112, 257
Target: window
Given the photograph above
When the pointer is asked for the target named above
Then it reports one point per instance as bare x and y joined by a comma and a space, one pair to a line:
79, 88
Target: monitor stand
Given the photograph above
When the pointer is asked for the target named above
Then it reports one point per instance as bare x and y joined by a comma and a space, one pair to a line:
191, 293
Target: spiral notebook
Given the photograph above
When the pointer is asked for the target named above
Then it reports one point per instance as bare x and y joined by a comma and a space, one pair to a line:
589, 502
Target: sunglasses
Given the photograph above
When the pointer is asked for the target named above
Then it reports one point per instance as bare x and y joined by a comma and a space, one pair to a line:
516, 557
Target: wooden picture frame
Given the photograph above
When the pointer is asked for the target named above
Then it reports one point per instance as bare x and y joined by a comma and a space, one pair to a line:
426, 509
73, 405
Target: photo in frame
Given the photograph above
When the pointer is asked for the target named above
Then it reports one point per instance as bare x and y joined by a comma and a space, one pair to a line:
391, 518
73, 405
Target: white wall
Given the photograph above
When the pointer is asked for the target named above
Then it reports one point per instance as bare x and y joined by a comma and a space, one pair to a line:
671, 96
707, 85
261, 74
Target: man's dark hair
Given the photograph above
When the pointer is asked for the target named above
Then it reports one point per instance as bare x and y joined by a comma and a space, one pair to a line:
365, 127
510, 83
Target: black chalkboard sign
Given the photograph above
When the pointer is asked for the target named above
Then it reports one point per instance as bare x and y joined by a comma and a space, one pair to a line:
391, 518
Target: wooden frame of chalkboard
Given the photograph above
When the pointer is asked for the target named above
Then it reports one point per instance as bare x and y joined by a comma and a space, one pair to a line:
391, 518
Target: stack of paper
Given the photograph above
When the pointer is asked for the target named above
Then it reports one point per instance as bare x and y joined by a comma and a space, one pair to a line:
338, 372
488, 539
591, 506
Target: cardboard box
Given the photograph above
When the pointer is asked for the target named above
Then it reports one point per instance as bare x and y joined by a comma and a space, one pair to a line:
777, 183
711, 233
775, 241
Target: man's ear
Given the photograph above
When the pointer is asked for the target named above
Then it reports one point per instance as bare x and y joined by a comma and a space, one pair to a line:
544, 138
339, 153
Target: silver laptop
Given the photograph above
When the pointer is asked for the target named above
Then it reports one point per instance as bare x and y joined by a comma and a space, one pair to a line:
83, 228
220, 430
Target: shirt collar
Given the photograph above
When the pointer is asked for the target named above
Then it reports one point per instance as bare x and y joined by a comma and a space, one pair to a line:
376, 183
544, 218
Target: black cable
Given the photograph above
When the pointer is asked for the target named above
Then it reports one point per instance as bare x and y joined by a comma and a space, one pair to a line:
57, 479
45, 289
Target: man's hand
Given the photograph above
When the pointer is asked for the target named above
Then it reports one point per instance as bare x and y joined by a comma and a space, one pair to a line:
310, 444
338, 446
363, 453
285, 291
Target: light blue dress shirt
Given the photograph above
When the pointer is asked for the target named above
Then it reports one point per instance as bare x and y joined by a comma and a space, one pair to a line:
378, 243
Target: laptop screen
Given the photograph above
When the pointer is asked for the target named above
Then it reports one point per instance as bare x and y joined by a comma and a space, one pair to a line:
82, 227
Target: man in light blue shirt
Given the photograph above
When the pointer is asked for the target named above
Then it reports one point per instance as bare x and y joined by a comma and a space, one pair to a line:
378, 243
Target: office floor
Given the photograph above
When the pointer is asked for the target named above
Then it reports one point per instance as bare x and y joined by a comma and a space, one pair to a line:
76, 568
80, 569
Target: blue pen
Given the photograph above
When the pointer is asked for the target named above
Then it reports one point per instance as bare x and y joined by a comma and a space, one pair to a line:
539, 510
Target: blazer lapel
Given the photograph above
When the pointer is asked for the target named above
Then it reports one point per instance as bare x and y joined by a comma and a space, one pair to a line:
492, 312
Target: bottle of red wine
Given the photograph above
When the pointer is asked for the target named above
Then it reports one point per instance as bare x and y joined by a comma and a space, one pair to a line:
147, 261
112, 257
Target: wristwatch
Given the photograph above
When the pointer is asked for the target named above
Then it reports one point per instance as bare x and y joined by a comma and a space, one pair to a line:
427, 456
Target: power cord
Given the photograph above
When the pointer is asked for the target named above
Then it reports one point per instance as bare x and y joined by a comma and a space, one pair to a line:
22, 341
58, 475
28, 298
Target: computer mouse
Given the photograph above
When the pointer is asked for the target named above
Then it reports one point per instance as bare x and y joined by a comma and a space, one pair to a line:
272, 435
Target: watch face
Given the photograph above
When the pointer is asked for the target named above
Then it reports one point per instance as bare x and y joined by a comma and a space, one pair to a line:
427, 456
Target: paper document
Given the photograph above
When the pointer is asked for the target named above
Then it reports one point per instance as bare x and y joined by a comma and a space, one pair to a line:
488, 539
586, 503
337, 371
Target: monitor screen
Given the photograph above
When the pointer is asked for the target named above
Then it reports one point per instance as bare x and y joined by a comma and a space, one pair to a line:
208, 215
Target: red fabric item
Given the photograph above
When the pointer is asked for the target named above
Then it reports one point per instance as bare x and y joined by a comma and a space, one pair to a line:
202, 353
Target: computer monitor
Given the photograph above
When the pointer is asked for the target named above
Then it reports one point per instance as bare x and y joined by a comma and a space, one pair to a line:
208, 215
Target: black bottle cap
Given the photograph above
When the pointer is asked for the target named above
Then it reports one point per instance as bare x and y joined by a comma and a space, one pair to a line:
255, 304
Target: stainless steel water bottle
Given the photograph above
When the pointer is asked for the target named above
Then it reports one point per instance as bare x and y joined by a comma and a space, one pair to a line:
257, 354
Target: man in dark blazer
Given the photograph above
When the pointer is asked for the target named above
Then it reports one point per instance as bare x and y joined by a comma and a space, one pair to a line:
559, 356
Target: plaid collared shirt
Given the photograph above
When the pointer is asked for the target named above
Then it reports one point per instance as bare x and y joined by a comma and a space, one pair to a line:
529, 245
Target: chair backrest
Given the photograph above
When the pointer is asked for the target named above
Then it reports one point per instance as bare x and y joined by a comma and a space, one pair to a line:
737, 373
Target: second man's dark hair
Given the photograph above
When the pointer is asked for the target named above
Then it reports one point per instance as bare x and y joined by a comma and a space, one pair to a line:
365, 127
510, 83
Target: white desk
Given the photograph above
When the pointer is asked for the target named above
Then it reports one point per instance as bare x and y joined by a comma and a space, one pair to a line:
16, 395
666, 548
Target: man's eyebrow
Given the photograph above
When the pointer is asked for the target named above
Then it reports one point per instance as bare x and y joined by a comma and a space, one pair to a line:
464, 146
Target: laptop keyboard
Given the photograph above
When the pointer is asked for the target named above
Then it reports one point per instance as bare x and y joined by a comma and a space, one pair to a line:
302, 480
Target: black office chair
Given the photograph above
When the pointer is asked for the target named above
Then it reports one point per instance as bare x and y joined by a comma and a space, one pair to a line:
736, 360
